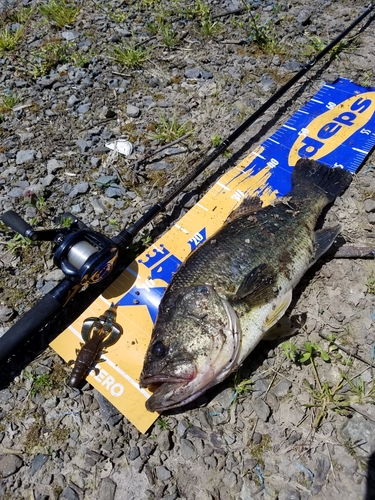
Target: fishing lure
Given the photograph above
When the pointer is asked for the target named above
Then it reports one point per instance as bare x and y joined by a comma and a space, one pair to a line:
97, 334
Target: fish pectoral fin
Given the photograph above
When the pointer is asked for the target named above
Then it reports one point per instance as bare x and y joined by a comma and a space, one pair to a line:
324, 239
249, 205
280, 306
286, 326
258, 285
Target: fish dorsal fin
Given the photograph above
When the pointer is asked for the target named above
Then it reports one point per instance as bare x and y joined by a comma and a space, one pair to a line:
324, 239
281, 305
258, 284
249, 205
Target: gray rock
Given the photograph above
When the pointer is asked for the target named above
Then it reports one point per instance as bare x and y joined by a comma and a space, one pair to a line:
132, 111
107, 489
164, 441
230, 480
206, 75
289, 493
6, 314
257, 438
83, 108
115, 191
369, 205
105, 180
133, 453
47, 81
281, 389
360, 429
262, 410
37, 463
182, 427
292, 65
53, 165
95, 161
188, 450
47, 180
73, 99
70, 35
9, 464
25, 156
268, 84
5, 396
83, 145
161, 165
162, 473
192, 73
80, 188
69, 494
15, 192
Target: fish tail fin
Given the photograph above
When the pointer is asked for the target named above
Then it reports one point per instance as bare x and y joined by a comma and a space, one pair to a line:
311, 175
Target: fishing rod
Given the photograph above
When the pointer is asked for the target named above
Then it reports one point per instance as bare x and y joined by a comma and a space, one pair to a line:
87, 257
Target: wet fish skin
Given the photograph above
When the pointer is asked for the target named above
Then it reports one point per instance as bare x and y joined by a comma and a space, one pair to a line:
236, 286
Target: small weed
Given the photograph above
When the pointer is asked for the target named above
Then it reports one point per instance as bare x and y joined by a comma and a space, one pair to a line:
152, 28
370, 285
60, 12
199, 10
327, 398
240, 386
119, 16
216, 140
130, 56
163, 423
8, 101
39, 382
311, 350
9, 38
290, 350
48, 56
367, 78
210, 28
170, 38
262, 35
19, 243
81, 60
170, 130
358, 389
146, 238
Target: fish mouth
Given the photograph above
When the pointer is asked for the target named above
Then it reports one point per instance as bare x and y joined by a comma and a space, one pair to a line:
170, 391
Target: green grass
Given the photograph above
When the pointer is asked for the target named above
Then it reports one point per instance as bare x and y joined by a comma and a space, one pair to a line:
130, 56
60, 12
169, 130
8, 101
207, 27
49, 56
9, 39
169, 36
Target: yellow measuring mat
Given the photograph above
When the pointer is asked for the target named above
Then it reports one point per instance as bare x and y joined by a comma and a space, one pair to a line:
336, 127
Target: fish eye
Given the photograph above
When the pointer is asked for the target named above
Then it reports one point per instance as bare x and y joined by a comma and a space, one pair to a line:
202, 289
159, 350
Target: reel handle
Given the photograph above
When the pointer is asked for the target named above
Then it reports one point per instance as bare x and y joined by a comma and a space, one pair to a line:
19, 225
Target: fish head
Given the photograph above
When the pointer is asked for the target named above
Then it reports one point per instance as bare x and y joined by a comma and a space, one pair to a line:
194, 345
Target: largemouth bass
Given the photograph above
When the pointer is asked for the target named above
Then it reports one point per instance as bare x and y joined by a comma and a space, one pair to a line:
236, 286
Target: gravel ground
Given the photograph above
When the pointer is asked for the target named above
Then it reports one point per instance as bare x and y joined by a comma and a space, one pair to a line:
152, 72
